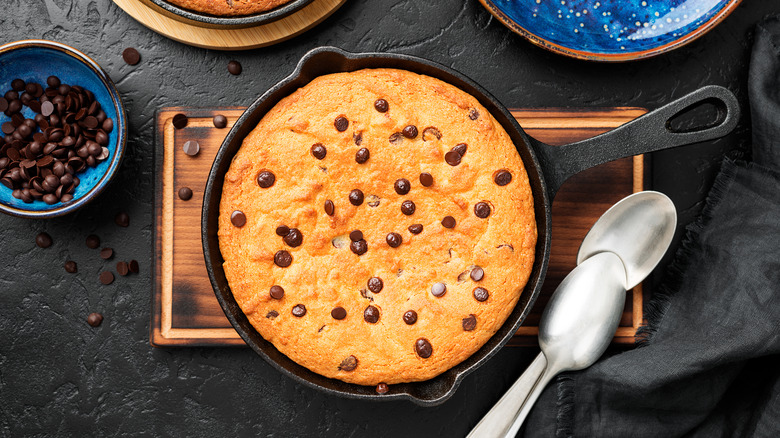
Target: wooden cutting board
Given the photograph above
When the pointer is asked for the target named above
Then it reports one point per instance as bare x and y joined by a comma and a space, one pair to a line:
185, 311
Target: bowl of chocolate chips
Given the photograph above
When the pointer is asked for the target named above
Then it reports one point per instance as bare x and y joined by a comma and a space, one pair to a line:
62, 129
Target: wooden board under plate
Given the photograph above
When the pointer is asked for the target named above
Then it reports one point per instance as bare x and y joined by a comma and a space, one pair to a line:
185, 311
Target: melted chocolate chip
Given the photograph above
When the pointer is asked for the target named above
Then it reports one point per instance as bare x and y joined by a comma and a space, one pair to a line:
266, 179
357, 138
438, 289
426, 179
381, 105
423, 348
473, 114
452, 158
371, 315
382, 388
477, 274
448, 222
410, 131
430, 133
402, 186
469, 323
318, 151
356, 197
283, 259
277, 292
338, 313
330, 209
374, 200
460, 148
356, 235
481, 294
410, 317
416, 228
360, 247
362, 155
502, 177
375, 284
408, 207
341, 123
299, 310
396, 138
238, 218
394, 240
482, 210
294, 237
272, 314
348, 364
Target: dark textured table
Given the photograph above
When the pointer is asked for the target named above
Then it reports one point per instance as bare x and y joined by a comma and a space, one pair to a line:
59, 376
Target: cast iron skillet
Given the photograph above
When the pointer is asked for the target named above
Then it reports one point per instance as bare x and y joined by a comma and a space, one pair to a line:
213, 21
547, 166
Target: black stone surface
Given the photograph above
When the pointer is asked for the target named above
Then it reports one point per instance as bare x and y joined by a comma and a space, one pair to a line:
59, 376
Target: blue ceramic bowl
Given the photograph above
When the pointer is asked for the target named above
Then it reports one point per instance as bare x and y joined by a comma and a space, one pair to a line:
610, 30
36, 60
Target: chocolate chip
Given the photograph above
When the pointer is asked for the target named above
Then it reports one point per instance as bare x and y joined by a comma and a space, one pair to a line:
423, 348
238, 218
502, 177
133, 266
410, 317
17, 84
47, 108
179, 122
448, 222
381, 105
330, 209
394, 240
294, 238
349, 363
341, 123
71, 267
375, 284
282, 230
371, 315
234, 68
408, 207
382, 388
283, 259
106, 277
131, 56
396, 138
469, 323
482, 210
93, 241
430, 133
460, 149
416, 228
360, 247
94, 319
481, 294
266, 179
338, 313
318, 151
362, 155
473, 114
477, 274
272, 314
3, 104
219, 121
426, 179
106, 253
277, 292
402, 186
356, 235
452, 158
438, 289
356, 197
299, 310
409, 131
122, 268
374, 201
358, 138
43, 240
185, 193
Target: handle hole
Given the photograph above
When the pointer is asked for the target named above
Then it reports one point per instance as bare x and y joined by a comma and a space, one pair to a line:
699, 116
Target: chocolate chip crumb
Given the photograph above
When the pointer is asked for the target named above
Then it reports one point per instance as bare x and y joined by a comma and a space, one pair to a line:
469, 323
348, 364
94, 319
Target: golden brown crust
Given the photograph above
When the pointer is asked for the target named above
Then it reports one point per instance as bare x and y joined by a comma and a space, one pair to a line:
229, 7
323, 276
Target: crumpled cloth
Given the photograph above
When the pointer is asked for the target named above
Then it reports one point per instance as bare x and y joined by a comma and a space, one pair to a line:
710, 362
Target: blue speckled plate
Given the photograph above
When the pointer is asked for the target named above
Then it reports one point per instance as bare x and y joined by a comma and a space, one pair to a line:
610, 30
36, 60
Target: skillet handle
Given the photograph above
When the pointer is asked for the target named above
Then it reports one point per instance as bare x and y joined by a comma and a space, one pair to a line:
648, 133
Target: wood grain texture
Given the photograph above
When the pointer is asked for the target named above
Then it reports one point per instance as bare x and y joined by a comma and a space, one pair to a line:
185, 311
231, 39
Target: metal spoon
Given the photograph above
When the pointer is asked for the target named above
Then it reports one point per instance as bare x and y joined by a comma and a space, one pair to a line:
584, 311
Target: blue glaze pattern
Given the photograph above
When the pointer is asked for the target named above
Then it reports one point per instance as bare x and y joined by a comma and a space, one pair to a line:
591, 29
33, 62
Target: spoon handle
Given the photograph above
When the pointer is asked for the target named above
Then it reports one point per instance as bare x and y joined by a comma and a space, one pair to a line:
500, 418
525, 409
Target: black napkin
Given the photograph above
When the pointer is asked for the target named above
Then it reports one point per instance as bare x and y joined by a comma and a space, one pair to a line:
710, 363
